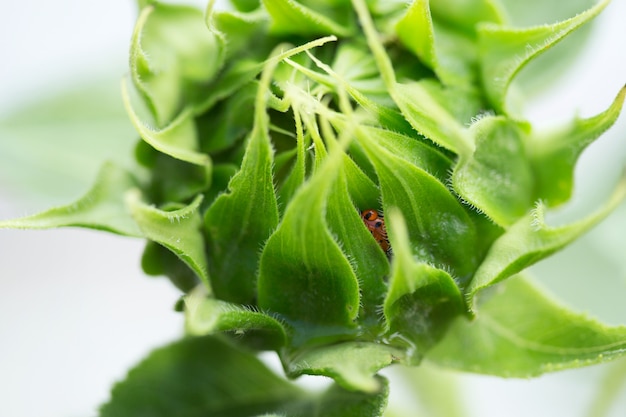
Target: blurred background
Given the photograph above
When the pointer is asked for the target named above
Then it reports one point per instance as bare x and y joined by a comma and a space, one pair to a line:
76, 312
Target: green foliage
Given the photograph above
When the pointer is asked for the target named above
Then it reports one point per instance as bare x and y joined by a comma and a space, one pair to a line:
267, 129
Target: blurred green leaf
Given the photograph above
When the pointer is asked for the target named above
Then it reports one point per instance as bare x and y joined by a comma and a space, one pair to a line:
467, 14
519, 332
292, 17
352, 365
102, 207
52, 148
553, 156
197, 377
529, 240
504, 50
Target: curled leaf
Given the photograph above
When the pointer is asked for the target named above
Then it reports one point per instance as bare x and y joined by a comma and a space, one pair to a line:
178, 230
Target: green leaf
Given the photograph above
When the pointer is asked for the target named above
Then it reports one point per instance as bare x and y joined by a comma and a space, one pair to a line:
435, 392
467, 14
367, 258
298, 170
178, 230
53, 147
363, 191
421, 300
553, 156
304, 275
102, 207
529, 240
429, 118
504, 50
173, 56
415, 30
497, 178
291, 17
338, 402
539, 12
229, 122
205, 316
171, 179
519, 332
546, 69
412, 150
198, 377
239, 221
177, 139
445, 48
237, 28
159, 260
416, 102
441, 233
351, 364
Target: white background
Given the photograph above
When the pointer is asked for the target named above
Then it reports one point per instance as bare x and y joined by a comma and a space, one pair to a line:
76, 311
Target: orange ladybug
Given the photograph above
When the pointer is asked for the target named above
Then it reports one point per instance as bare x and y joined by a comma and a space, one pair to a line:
375, 223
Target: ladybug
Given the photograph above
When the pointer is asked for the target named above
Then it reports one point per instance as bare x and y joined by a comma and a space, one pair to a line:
375, 223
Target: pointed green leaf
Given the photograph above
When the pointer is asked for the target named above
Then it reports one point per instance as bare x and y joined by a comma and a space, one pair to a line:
199, 377
205, 316
554, 156
421, 300
519, 332
529, 240
440, 231
497, 178
352, 365
504, 50
173, 55
291, 17
178, 230
367, 258
415, 30
363, 191
239, 221
304, 276
102, 208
